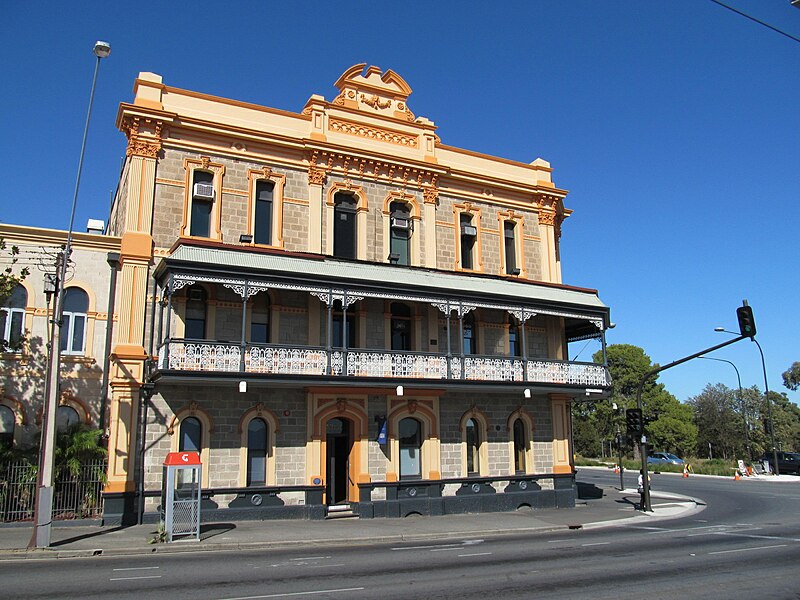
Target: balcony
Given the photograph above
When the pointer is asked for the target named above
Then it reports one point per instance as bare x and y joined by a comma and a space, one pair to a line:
179, 356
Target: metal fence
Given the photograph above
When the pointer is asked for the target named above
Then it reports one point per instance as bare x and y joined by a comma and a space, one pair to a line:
74, 497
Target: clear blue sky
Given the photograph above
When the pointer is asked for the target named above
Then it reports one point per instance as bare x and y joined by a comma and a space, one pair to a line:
674, 124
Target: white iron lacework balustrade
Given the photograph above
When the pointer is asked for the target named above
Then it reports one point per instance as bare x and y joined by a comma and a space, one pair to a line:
567, 373
288, 361
493, 369
198, 356
384, 364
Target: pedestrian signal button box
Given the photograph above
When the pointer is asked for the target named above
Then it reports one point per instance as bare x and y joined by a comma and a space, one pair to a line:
180, 496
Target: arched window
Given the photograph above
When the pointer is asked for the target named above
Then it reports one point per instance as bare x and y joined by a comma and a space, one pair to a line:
73, 329
195, 320
191, 435
401, 326
514, 339
12, 319
259, 319
66, 418
470, 341
473, 440
202, 203
510, 247
263, 212
469, 234
410, 438
400, 234
257, 433
7, 424
520, 446
344, 225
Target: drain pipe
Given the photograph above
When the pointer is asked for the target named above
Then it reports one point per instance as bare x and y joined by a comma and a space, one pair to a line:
112, 258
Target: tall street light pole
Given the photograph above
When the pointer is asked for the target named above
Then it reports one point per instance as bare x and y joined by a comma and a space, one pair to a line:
43, 512
741, 400
769, 404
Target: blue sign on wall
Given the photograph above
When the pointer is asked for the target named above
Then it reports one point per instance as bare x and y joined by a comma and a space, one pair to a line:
382, 433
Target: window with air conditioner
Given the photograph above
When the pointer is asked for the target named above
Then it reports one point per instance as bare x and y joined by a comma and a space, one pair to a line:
202, 203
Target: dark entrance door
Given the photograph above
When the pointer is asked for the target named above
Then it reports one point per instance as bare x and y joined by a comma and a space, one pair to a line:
338, 442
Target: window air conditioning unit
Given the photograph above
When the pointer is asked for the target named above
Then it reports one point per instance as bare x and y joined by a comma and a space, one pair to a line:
469, 230
204, 191
401, 223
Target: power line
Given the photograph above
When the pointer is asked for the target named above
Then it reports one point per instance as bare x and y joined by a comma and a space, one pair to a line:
745, 15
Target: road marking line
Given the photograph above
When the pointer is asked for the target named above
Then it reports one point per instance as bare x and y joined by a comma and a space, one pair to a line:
596, 544
475, 554
287, 594
746, 549
559, 541
428, 547
444, 549
135, 568
324, 566
311, 558
128, 578
755, 537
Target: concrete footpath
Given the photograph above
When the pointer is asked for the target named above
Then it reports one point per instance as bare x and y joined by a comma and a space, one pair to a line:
598, 506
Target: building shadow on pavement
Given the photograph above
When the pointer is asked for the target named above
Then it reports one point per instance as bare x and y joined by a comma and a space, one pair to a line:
589, 491
86, 536
211, 530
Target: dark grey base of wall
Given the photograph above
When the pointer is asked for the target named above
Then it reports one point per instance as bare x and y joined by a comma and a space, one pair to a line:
479, 503
121, 509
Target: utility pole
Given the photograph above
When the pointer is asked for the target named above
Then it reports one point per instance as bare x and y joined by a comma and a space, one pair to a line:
43, 511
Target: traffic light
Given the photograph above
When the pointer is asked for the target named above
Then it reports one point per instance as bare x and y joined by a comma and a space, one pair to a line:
747, 324
634, 422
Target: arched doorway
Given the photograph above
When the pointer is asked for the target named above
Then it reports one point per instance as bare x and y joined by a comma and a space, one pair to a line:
338, 447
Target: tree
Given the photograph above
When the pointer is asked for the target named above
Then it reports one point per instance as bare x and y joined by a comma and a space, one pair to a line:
791, 377
671, 427
8, 279
720, 423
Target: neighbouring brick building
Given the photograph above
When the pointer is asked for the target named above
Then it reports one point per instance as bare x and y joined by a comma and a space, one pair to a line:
338, 311
25, 326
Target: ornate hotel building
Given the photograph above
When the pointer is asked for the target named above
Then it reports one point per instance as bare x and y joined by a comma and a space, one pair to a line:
338, 311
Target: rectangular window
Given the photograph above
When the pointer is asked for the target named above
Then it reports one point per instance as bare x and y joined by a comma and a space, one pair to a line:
344, 225
201, 218
263, 213
468, 236
72, 333
11, 321
259, 333
337, 331
510, 243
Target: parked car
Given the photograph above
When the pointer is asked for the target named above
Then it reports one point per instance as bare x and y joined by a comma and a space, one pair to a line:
788, 462
663, 458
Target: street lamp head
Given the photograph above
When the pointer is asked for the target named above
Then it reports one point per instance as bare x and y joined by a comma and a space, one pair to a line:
101, 49
719, 329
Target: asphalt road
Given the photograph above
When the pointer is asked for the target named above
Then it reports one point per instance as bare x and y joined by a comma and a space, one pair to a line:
745, 543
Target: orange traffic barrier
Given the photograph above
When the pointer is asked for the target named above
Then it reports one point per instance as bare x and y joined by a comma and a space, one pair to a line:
616, 469
736, 476
685, 471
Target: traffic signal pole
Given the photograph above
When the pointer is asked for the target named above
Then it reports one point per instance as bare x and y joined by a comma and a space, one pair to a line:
646, 505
